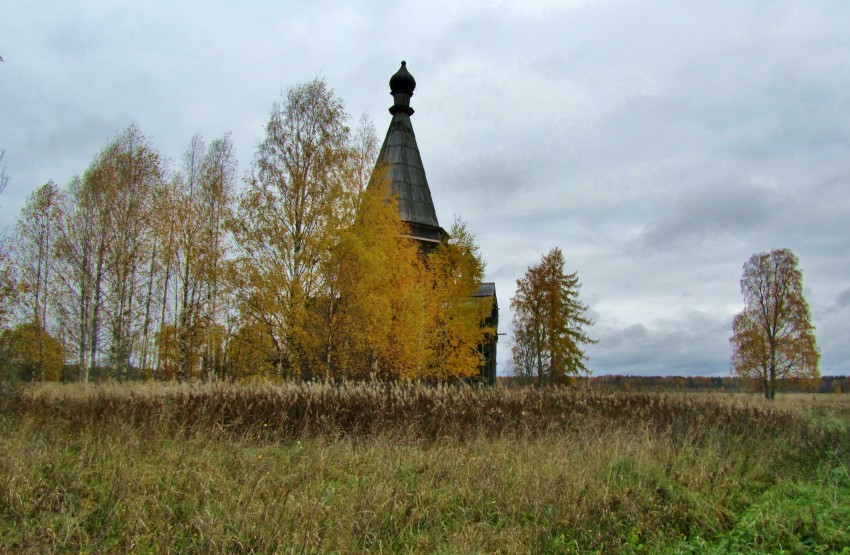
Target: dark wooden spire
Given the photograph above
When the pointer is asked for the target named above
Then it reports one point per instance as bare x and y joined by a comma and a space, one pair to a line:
401, 162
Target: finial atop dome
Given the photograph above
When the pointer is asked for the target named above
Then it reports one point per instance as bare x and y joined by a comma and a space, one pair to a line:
402, 81
402, 85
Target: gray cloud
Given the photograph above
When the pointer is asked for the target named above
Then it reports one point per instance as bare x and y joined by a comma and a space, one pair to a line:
687, 345
712, 214
843, 300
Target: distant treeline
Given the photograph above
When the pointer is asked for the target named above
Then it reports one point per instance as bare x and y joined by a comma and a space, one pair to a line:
644, 384
637, 384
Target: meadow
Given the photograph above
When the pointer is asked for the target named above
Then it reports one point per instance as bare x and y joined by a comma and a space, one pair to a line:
387, 468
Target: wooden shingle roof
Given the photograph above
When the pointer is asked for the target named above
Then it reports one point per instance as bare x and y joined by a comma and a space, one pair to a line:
402, 162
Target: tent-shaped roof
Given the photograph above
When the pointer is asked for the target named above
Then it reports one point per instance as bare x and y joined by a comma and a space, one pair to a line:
400, 159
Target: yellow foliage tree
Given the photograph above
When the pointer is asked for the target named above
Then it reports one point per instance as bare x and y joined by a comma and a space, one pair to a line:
28, 352
455, 316
168, 352
376, 276
289, 215
251, 352
390, 309
549, 322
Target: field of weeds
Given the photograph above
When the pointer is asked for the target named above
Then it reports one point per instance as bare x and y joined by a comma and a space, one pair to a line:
409, 468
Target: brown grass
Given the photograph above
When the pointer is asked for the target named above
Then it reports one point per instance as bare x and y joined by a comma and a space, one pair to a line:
362, 409
386, 468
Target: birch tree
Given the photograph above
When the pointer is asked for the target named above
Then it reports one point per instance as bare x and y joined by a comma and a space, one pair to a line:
81, 255
8, 280
36, 233
125, 175
217, 190
188, 230
774, 336
290, 211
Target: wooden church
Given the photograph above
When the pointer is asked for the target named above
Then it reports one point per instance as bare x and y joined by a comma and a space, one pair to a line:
400, 158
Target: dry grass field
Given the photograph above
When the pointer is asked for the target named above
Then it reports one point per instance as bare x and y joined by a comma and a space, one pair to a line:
386, 468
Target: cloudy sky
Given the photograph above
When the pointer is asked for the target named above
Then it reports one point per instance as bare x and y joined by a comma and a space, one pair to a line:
659, 144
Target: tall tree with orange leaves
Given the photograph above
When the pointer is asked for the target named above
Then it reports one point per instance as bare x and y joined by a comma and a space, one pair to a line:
549, 322
773, 336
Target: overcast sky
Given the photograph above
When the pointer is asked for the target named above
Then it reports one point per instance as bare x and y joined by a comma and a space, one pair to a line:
659, 144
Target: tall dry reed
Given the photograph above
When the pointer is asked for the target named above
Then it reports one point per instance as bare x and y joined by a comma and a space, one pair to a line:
415, 411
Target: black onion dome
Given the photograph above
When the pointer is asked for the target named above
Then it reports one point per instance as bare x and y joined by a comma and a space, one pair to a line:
402, 81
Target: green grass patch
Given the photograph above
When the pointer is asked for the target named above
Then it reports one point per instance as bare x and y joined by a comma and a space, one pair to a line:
804, 516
